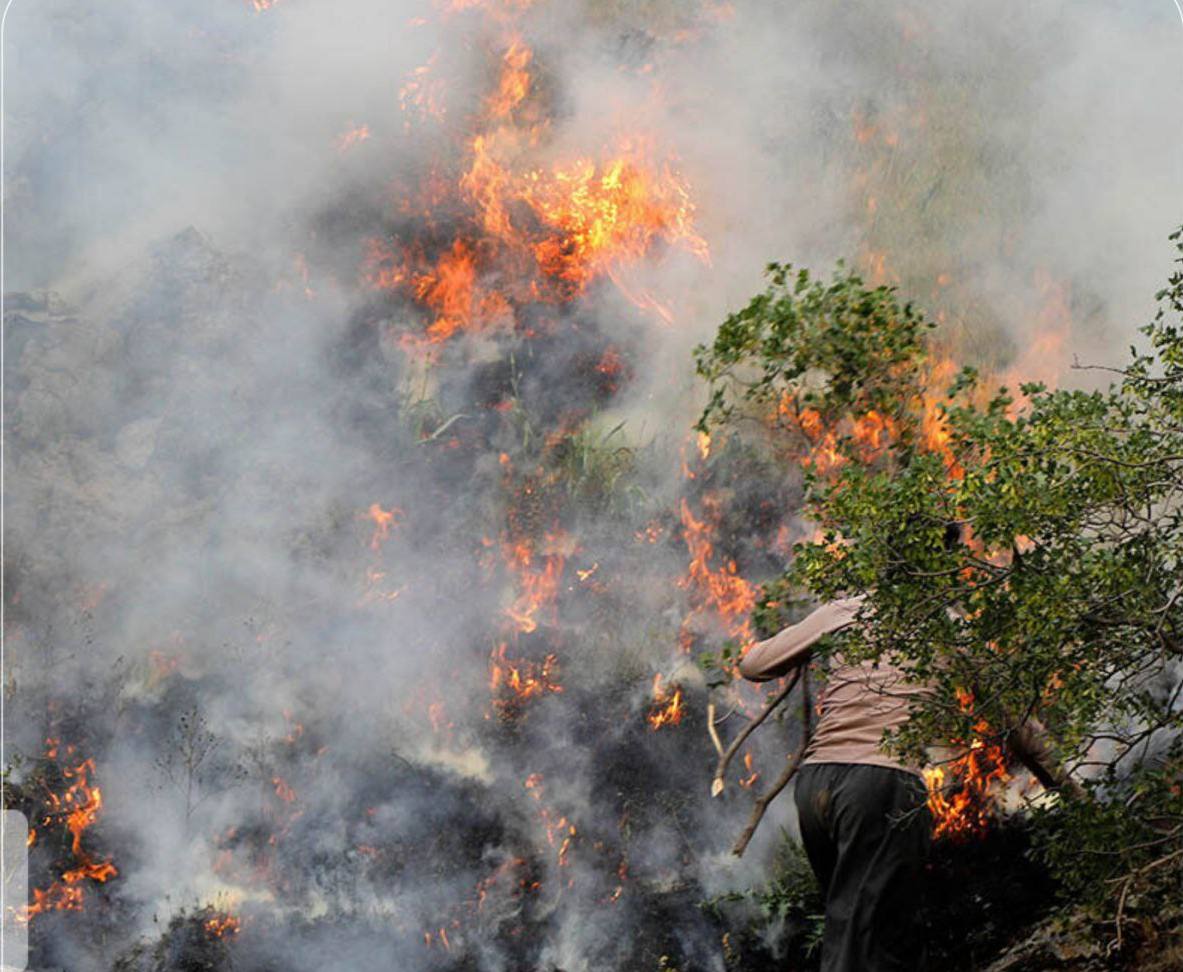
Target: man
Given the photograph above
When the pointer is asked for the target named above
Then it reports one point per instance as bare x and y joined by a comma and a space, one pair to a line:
863, 814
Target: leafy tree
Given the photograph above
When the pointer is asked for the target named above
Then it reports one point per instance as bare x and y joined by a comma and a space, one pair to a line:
1021, 552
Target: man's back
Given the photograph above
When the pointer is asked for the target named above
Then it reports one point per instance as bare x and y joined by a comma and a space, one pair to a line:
860, 703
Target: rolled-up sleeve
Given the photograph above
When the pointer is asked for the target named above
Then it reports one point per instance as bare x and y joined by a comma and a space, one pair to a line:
792, 646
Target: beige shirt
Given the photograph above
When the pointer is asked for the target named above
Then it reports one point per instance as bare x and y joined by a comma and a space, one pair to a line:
860, 702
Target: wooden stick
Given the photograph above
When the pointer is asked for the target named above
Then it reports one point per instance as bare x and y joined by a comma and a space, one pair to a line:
725, 758
794, 764
712, 731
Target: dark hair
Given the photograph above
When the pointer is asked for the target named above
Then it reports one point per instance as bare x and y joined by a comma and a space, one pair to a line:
954, 535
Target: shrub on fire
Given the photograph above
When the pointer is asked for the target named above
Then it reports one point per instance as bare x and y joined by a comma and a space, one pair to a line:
1057, 601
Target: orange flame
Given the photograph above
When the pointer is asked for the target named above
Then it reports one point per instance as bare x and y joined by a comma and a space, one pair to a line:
493, 7
719, 592
604, 214
966, 811
514, 84
747, 782
537, 583
935, 433
560, 832
1045, 358
874, 432
535, 233
354, 136
77, 808
283, 790
703, 442
513, 682
667, 707
422, 94
221, 926
384, 521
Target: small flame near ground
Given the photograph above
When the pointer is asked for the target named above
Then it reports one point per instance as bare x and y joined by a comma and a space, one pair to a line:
75, 810
667, 708
961, 794
515, 681
221, 925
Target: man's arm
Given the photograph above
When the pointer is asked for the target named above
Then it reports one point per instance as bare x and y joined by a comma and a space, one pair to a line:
793, 646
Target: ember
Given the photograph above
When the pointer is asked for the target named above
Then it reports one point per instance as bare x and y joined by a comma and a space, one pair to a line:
383, 520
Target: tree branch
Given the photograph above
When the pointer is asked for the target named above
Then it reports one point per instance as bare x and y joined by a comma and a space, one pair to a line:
725, 757
794, 763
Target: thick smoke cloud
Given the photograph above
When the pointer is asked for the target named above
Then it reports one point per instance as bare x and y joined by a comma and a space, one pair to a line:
290, 712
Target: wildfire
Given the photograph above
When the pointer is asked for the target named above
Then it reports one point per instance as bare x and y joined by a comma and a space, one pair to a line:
384, 521
934, 427
703, 443
747, 782
667, 708
966, 811
376, 590
162, 665
77, 809
652, 533
422, 94
537, 574
513, 682
1044, 359
515, 80
532, 233
719, 592
441, 936
560, 832
354, 136
283, 789
612, 367
514, 871
874, 432
221, 926
604, 214
489, 6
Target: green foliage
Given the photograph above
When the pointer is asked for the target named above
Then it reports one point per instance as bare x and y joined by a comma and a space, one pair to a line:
793, 891
596, 467
788, 908
832, 347
1059, 596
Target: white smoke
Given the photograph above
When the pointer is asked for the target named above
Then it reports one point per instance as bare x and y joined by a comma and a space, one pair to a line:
194, 440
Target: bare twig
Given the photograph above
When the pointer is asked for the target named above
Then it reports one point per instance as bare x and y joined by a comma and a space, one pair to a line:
794, 763
725, 757
1127, 882
712, 731
440, 430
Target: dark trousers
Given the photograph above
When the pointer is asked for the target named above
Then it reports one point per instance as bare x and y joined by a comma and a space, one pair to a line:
866, 831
